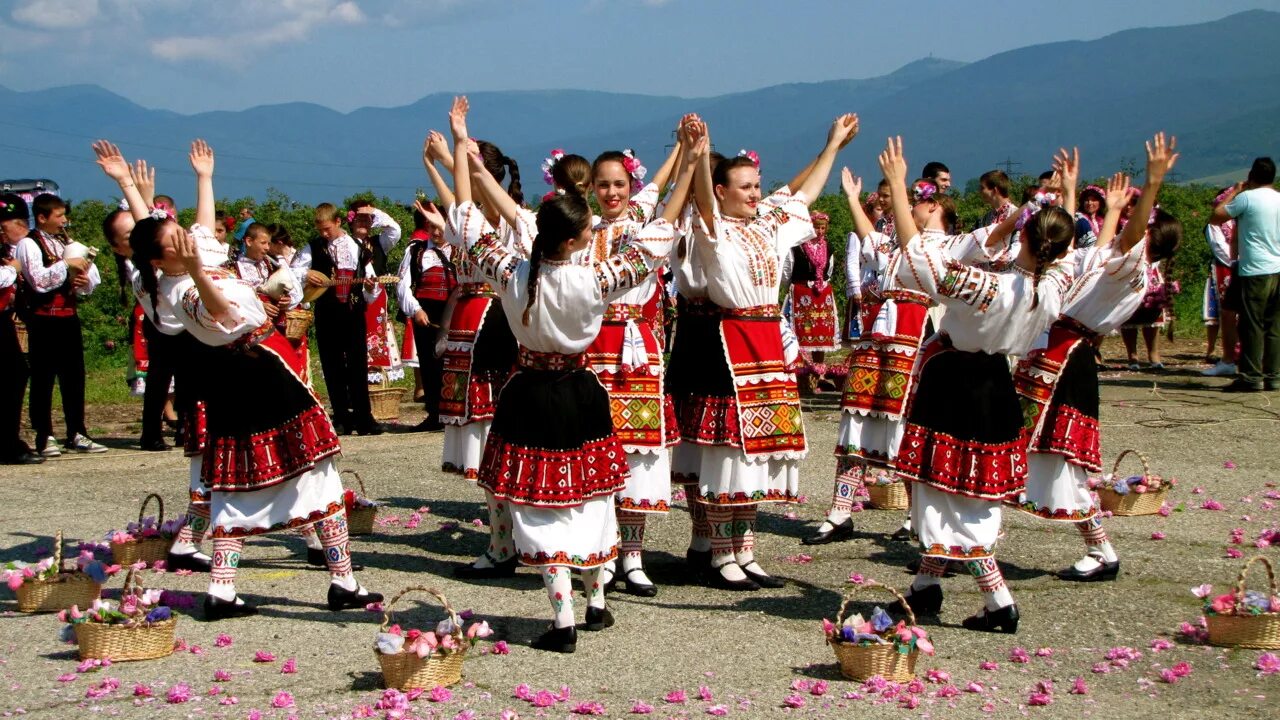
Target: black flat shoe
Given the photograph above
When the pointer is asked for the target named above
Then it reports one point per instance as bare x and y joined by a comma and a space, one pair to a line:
371, 429
764, 580
315, 558
925, 602
913, 567
1004, 620
340, 428
561, 640
1240, 386
843, 531
25, 458
641, 589
598, 619
215, 609
157, 445
698, 561
428, 425
901, 535
1105, 571
504, 569
341, 599
174, 561
717, 580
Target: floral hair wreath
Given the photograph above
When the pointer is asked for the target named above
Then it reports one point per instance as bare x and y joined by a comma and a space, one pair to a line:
923, 190
634, 168
1044, 198
161, 213
549, 163
751, 155
1102, 194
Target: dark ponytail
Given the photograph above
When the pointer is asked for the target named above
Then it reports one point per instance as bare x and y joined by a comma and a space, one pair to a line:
145, 241
514, 189
497, 164
572, 174
1163, 236
108, 233
560, 219
1048, 234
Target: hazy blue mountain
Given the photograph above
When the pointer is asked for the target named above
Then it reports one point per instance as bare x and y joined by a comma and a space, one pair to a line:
1215, 85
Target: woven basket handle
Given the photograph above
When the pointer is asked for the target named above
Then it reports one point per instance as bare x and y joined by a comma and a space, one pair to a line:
440, 598
363, 492
57, 550
1146, 466
132, 584
1244, 572
853, 590
142, 511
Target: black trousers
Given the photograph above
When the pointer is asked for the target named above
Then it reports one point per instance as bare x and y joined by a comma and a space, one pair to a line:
163, 353
431, 367
13, 385
344, 361
56, 352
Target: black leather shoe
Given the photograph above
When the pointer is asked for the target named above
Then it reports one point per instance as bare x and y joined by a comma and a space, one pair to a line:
699, 561
428, 425
764, 580
156, 445
1239, 386
504, 569
927, 601
340, 599
1105, 571
371, 429
215, 609
717, 580
341, 428
901, 535
843, 531
316, 558
635, 588
561, 640
174, 561
1004, 620
598, 619
25, 458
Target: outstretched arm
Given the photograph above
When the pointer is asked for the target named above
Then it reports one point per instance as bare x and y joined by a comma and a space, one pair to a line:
1117, 194
461, 172
1161, 156
842, 131
202, 162
432, 148
852, 186
1067, 167
1220, 214
894, 166
117, 168
703, 190
688, 167
145, 178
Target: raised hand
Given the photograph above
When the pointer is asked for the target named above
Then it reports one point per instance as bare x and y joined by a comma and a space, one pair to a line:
1117, 191
435, 147
201, 158
145, 178
111, 161
458, 117
1067, 165
430, 212
1161, 156
851, 184
184, 246
893, 163
849, 129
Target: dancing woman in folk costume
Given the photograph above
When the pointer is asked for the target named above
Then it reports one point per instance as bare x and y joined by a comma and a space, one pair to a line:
757, 427
892, 318
553, 418
427, 277
1058, 383
806, 270
1093, 210
380, 232
963, 447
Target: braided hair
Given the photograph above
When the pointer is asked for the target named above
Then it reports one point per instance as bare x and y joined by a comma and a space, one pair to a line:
1163, 235
560, 219
1048, 234
145, 241
498, 165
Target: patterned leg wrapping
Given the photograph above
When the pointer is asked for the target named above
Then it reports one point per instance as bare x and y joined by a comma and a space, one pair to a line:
1095, 539
631, 527
744, 534
720, 521
850, 485
197, 525
592, 587
311, 535
560, 593
930, 572
501, 544
337, 550
699, 528
990, 582
226, 559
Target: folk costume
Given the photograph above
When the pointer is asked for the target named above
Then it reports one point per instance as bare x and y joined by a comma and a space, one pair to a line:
427, 277
270, 457
807, 270
384, 350
341, 328
963, 446
1058, 387
47, 304
552, 452
752, 438
13, 381
256, 273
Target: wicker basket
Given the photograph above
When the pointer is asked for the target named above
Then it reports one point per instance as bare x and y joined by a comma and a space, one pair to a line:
20, 328
407, 671
1260, 631
297, 322
360, 519
123, 642
384, 400
1132, 503
67, 588
859, 663
148, 550
893, 496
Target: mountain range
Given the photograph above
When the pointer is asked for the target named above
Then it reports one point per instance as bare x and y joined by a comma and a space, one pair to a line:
1215, 85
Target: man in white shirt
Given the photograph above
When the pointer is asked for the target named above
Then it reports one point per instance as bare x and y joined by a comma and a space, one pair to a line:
51, 289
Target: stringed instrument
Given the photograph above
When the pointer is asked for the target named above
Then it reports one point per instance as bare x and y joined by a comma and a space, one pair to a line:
310, 292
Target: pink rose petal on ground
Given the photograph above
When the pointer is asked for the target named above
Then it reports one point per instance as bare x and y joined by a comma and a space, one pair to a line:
374, 607
1039, 698
819, 688
542, 698
224, 640
1267, 664
856, 578
1078, 687
675, 697
988, 665
254, 714
791, 515
179, 693
440, 694
1234, 554
794, 700
718, 710
214, 690
1211, 504
910, 702
800, 685
1229, 465
1168, 676
704, 693
1019, 655
588, 708
1157, 535
195, 650
67, 677
221, 676
1160, 644
289, 667
282, 699
1197, 490
1044, 652
523, 692
1182, 669
143, 691
641, 708
229, 700
501, 648
974, 687
262, 656
937, 676
1165, 510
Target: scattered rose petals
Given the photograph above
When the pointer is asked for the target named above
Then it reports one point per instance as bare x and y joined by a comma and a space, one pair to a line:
1234, 554
800, 685
67, 677
179, 693
676, 697
856, 578
221, 676
1229, 465
704, 693
543, 698
974, 687
988, 665
1044, 652
1078, 687
440, 694
374, 607
819, 688
1157, 535
1160, 644
641, 708
718, 710
588, 708
1211, 504
229, 700
1039, 698
1019, 655
282, 699
262, 656
1267, 664
289, 667
223, 640
142, 691
794, 700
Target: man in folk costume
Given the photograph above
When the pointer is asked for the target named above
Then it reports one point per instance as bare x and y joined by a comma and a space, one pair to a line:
13, 227
336, 258
51, 290
427, 277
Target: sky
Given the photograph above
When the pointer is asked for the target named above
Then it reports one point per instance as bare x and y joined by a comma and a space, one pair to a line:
199, 55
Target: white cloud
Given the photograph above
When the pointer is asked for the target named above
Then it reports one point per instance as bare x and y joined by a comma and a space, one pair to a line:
56, 14
261, 24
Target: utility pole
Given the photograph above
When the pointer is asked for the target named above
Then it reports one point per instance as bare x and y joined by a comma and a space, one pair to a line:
1009, 164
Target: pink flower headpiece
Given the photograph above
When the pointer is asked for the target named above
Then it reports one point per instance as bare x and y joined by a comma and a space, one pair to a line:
1045, 199
166, 209
751, 155
923, 190
549, 163
1223, 195
1151, 219
351, 216
1102, 194
634, 168
815, 215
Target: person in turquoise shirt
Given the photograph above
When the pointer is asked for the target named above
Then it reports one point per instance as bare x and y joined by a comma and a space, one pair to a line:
1255, 205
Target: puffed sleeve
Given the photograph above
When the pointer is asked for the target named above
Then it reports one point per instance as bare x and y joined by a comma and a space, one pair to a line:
212, 252
391, 231
404, 289
853, 266
644, 204
245, 316
95, 279
493, 259
469, 225
633, 262
8, 276
928, 268
786, 215
39, 277
1218, 243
